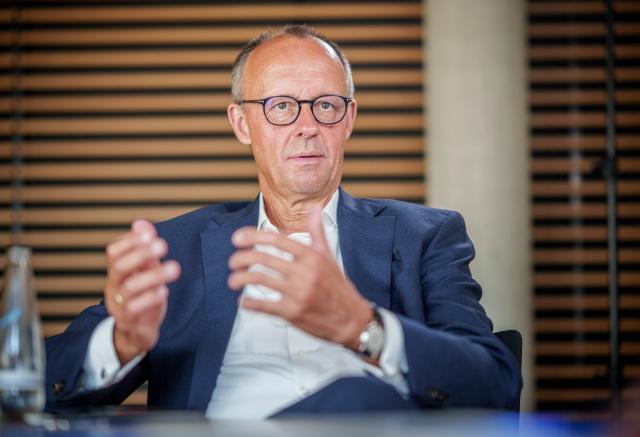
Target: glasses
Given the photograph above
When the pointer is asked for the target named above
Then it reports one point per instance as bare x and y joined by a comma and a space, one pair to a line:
284, 110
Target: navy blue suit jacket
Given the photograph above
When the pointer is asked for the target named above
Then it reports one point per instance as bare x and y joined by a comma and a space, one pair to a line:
408, 258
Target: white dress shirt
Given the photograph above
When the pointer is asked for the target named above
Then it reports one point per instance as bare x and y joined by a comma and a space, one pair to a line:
269, 364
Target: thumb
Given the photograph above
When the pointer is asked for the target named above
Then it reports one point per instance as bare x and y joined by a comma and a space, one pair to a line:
316, 230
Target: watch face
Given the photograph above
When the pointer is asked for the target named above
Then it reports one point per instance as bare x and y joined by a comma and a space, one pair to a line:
372, 340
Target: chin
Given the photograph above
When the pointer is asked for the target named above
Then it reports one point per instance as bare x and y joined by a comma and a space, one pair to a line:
309, 186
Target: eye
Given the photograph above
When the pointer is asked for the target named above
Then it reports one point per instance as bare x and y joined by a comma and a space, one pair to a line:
280, 104
325, 105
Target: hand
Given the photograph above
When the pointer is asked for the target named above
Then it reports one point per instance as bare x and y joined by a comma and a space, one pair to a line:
136, 292
316, 296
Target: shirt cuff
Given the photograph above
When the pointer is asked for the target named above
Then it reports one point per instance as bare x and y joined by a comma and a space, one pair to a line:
101, 365
393, 359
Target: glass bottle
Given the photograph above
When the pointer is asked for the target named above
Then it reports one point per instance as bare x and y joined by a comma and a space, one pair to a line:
21, 346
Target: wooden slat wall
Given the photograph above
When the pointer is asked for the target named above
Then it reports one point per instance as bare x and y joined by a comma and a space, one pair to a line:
567, 101
122, 115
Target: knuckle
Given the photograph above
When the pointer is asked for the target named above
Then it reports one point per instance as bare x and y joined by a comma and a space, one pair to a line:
117, 267
111, 249
128, 286
295, 313
305, 297
261, 277
315, 278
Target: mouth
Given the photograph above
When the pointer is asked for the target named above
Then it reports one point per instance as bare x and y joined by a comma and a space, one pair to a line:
307, 157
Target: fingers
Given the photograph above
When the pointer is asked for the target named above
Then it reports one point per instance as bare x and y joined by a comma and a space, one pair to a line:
150, 279
123, 244
139, 249
249, 236
145, 302
280, 308
142, 232
237, 280
143, 226
316, 230
137, 257
243, 259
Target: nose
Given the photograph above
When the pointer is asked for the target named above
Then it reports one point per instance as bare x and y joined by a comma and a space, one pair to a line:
306, 124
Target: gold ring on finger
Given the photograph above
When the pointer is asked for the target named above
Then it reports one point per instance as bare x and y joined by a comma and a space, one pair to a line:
118, 298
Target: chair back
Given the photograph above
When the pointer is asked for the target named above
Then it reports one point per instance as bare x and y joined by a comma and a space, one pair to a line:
513, 341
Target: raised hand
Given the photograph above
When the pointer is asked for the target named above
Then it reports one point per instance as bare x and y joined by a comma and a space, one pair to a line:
136, 290
316, 296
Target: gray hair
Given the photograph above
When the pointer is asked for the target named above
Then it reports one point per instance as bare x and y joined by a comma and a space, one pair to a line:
297, 30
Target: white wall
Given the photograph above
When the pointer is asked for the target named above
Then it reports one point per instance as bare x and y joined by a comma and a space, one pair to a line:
477, 148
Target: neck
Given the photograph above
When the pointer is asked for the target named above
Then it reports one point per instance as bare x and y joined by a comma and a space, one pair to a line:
289, 213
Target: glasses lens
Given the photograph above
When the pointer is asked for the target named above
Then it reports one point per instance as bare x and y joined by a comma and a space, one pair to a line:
281, 110
329, 109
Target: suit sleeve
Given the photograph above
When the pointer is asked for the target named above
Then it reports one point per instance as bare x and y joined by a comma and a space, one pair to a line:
65, 355
454, 359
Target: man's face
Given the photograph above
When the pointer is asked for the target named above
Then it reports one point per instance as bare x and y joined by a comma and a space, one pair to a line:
303, 159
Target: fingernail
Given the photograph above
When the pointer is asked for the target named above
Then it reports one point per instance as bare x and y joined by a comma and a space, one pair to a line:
170, 269
237, 237
231, 282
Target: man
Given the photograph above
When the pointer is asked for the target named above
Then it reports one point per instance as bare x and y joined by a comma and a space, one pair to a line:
305, 300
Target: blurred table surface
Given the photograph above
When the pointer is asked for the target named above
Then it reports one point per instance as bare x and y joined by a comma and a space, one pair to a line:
187, 424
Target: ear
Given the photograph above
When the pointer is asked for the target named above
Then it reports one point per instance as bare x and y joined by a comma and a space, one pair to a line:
238, 120
350, 118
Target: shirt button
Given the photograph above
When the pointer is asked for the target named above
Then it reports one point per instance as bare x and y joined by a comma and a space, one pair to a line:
300, 354
303, 390
58, 387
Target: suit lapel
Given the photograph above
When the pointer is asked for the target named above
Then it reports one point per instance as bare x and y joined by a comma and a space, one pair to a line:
220, 301
366, 245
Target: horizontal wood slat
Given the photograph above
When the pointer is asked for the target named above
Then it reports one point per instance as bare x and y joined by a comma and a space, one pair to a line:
583, 279
583, 256
187, 147
220, 13
196, 192
580, 142
581, 97
579, 325
592, 120
181, 102
182, 57
192, 124
580, 74
582, 233
203, 34
66, 307
184, 81
571, 371
583, 303
198, 169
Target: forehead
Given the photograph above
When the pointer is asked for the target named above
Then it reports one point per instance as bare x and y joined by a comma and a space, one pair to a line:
289, 62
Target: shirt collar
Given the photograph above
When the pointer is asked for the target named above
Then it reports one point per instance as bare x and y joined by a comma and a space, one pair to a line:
329, 213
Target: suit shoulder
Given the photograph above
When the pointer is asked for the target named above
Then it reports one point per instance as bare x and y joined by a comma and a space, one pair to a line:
195, 221
413, 213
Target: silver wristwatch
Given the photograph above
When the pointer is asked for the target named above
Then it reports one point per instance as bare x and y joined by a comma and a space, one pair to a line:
372, 338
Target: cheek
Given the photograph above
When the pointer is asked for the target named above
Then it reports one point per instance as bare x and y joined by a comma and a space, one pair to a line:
266, 148
335, 145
